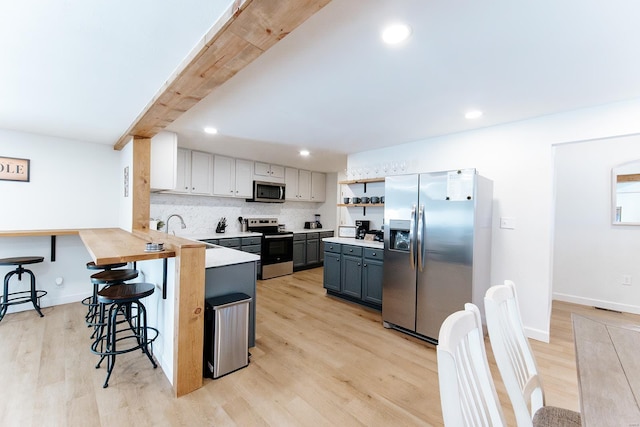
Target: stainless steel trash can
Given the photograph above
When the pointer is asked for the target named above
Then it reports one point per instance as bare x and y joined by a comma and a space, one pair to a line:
226, 340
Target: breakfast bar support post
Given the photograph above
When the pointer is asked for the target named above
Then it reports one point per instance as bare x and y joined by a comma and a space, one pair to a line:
140, 183
164, 278
189, 319
53, 248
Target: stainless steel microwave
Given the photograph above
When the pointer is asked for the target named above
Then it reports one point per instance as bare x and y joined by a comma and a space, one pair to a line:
268, 192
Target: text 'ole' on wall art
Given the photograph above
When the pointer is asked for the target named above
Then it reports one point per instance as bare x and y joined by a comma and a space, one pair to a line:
12, 169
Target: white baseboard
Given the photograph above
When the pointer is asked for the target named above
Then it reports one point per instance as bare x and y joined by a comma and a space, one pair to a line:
536, 334
626, 308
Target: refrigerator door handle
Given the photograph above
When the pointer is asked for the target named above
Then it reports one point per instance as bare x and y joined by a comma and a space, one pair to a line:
412, 227
421, 236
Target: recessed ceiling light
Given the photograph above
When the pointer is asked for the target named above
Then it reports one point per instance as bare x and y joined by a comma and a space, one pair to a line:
476, 114
396, 33
304, 152
211, 130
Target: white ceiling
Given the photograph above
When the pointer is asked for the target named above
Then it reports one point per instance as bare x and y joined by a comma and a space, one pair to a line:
84, 70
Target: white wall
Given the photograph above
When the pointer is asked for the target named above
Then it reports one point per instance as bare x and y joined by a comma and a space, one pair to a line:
73, 184
591, 254
125, 211
201, 213
518, 157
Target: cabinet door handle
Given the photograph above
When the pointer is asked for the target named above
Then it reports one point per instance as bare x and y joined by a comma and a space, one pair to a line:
365, 265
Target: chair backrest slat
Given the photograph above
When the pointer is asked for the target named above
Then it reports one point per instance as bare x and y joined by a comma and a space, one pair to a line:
467, 391
512, 352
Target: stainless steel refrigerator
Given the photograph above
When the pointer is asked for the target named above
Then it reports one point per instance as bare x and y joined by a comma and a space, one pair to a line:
437, 248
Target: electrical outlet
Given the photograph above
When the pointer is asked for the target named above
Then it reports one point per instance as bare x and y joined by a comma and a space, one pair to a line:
626, 279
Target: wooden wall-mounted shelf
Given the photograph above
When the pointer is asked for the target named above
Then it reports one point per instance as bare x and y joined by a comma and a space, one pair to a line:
361, 181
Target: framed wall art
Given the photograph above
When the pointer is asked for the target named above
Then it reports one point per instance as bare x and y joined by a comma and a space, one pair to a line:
14, 169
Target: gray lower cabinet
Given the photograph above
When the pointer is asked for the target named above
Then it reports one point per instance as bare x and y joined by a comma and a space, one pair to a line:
354, 272
299, 251
313, 248
246, 244
308, 249
332, 276
323, 234
372, 276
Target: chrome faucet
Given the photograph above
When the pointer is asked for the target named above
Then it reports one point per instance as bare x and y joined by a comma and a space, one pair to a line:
182, 224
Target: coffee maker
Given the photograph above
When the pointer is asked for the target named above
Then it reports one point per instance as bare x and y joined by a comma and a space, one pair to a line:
362, 227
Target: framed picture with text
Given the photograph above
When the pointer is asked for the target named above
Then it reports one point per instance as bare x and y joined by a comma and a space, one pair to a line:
14, 169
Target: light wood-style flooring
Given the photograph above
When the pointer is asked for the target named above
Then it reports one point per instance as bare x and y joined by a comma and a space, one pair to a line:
318, 361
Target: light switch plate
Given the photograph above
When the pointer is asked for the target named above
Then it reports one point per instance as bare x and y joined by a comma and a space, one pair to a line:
507, 223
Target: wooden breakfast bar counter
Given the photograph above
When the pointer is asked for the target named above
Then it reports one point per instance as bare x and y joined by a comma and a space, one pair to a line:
112, 245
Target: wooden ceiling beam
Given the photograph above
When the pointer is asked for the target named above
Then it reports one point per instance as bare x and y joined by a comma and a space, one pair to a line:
245, 31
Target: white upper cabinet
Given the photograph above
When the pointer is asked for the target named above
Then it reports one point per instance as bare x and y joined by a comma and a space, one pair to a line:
224, 176
201, 173
194, 172
232, 177
298, 184
269, 173
183, 174
304, 185
244, 178
318, 187
164, 161
291, 184
180, 170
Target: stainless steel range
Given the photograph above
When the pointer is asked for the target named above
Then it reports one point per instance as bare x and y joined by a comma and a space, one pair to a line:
277, 247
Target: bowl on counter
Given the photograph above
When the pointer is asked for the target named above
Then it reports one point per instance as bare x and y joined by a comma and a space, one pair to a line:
154, 247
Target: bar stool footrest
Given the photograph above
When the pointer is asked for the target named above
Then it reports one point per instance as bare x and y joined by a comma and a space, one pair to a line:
98, 346
20, 297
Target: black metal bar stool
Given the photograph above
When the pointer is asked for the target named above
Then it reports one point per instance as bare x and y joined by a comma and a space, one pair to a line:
92, 301
124, 301
107, 278
21, 297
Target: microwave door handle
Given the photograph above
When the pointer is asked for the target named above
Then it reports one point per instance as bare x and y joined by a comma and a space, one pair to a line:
281, 192
421, 238
412, 227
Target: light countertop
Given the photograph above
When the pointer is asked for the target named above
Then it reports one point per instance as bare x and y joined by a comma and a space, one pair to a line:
229, 234
311, 230
354, 242
226, 235
218, 256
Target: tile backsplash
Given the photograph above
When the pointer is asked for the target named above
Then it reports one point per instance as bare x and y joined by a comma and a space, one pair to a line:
201, 213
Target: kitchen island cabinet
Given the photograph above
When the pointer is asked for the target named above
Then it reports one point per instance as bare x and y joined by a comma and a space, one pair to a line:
229, 271
353, 270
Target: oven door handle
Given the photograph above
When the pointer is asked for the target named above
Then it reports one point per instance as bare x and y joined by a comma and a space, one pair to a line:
276, 236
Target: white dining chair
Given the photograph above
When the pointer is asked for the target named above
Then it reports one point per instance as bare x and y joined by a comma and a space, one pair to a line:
467, 393
516, 362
